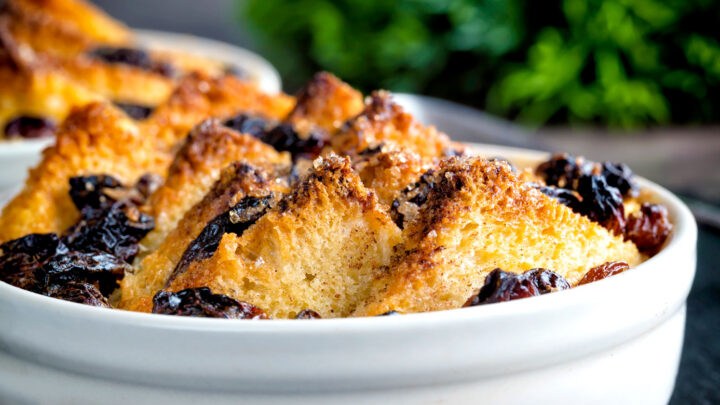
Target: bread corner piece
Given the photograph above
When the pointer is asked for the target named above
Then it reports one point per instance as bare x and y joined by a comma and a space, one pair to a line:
94, 139
318, 249
384, 121
478, 216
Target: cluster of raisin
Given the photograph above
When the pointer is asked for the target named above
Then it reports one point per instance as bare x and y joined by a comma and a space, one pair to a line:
133, 57
201, 302
281, 136
87, 261
597, 191
235, 220
503, 286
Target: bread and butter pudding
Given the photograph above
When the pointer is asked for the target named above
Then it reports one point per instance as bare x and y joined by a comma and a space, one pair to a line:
224, 201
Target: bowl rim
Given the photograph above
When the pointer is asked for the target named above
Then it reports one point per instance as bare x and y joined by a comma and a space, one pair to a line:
684, 237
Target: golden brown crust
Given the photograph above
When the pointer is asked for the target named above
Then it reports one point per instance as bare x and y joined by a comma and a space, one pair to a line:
96, 139
199, 96
208, 149
325, 102
236, 181
318, 249
383, 121
477, 217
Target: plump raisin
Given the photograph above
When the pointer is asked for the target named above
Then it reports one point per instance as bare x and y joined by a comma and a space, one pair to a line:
88, 193
601, 203
116, 230
390, 313
284, 138
405, 207
503, 286
82, 293
648, 228
134, 57
603, 271
101, 269
19, 258
562, 195
236, 220
135, 111
247, 124
308, 314
620, 176
563, 170
201, 302
29, 127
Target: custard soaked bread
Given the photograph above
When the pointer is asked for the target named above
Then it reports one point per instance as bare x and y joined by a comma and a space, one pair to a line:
318, 249
97, 139
237, 181
208, 149
476, 216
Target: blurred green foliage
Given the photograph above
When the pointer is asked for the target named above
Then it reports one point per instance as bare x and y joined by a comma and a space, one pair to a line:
622, 63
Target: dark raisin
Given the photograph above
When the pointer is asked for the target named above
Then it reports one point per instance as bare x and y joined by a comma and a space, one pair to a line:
562, 195
148, 184
246, 124
82, 293
236, 220
133, 57
116, 230
502, 159
135, 111
308, 314
620, 176
19, 258
601, 203
99, 268
412, 197
648, 228
29, 127
563, 170
503, 286
89, 193
284, 138
450, 152
201, 302
390, 313
372, 150
128, 56
603, 271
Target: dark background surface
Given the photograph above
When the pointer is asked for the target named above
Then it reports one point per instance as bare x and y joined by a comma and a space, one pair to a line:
699, 376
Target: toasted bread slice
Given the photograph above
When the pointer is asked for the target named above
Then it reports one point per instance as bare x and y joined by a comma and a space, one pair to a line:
478, 216
384, 121
96, 139
237, 181
199, 96
387, 170
325, 102
318, 249
208, 149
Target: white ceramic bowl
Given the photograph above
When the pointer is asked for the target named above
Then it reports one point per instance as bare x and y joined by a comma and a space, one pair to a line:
17, 156
615, 341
